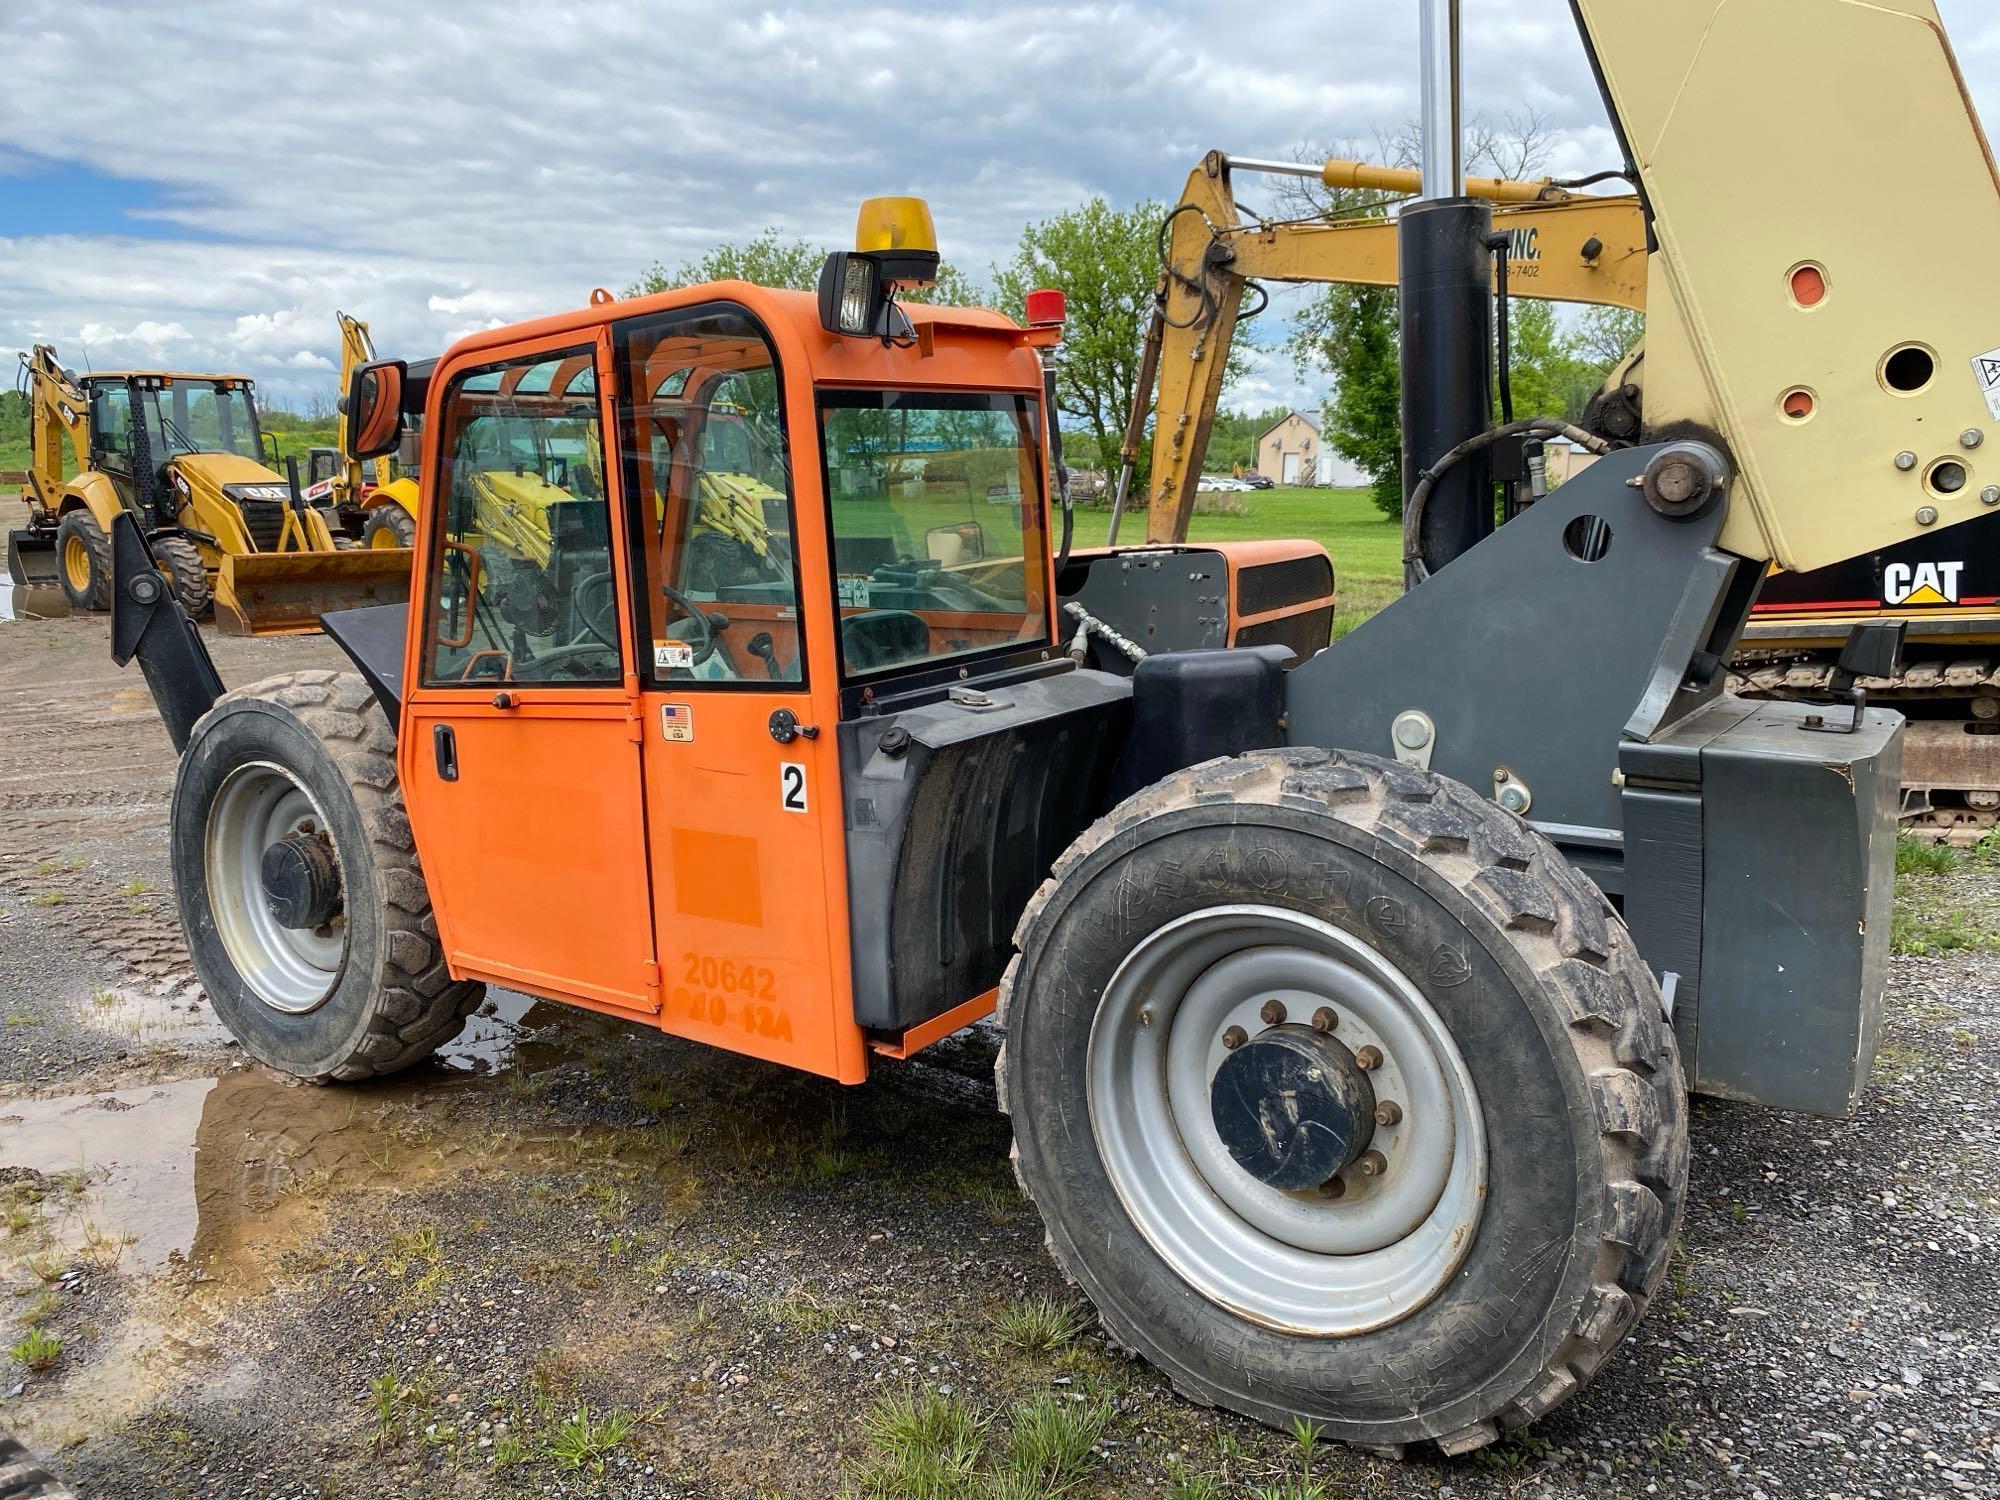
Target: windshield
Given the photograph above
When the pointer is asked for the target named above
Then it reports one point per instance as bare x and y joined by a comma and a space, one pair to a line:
936, 510
200, 416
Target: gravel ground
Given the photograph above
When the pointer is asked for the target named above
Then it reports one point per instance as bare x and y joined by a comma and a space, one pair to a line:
570, 1231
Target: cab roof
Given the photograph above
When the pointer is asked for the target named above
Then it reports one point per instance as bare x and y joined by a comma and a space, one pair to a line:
100, 377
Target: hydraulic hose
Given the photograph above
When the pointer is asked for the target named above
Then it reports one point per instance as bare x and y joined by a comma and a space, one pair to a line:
1414, 570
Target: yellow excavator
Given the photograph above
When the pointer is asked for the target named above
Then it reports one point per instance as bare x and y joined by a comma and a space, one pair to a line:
184, 454
1554, 243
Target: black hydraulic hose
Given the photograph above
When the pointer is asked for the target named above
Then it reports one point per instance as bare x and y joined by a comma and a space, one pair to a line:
1499, 245
1414, 570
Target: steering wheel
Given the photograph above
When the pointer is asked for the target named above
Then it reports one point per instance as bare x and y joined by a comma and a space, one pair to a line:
602, 621
561, 654
705, 648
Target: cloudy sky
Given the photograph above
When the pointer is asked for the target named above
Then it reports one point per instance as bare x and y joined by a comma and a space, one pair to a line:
202, 184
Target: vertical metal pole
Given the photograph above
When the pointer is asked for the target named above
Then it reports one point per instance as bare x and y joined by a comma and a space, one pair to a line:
1444, 282
1443, 139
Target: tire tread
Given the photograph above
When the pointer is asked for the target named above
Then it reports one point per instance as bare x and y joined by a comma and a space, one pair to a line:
418, 1006
1562, 925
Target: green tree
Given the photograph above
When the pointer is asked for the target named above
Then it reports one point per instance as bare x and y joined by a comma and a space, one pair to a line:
768, 260
1607, 334
1106, 261
1352, 330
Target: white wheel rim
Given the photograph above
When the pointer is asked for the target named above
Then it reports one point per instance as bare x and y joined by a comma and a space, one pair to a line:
1295, 1261
290, 969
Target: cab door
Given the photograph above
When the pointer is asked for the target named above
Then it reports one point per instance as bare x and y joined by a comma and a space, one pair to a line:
520, 760
743, 800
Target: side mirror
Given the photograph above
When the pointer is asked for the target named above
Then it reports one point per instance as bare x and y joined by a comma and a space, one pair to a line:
1874, 649
957, 544
375, 408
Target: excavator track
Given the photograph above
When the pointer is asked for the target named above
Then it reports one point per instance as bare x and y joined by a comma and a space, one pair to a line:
1951, 748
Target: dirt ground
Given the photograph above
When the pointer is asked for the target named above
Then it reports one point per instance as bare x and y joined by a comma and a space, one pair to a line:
572, 1257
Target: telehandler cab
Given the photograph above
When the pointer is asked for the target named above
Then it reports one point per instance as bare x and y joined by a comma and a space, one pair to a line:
1350, 1007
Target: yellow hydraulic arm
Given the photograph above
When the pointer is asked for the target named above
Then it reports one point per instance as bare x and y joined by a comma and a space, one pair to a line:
1564, 247
56, 408
356, 349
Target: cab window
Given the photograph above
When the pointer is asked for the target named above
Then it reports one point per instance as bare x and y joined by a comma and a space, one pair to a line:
707, 475
935, 504
521, 588
111, 420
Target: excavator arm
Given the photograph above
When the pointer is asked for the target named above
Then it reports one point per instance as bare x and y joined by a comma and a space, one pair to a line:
57, 411
350, 478
1562, 247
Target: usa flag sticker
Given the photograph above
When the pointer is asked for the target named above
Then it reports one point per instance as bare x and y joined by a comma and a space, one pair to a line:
677, 723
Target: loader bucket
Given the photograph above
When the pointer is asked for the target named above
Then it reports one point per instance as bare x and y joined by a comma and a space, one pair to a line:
32, 569
285, 593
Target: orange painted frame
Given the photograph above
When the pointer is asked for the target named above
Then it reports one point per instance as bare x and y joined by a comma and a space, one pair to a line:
613, 701
956, 349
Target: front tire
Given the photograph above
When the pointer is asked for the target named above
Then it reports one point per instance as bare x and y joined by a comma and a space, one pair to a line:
1538, 1102
180, 559
389, 525
351, 983
83, 554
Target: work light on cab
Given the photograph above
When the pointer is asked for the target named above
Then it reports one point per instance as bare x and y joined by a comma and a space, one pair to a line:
895, 248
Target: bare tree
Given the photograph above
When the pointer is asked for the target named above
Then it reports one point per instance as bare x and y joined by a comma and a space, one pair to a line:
321, 407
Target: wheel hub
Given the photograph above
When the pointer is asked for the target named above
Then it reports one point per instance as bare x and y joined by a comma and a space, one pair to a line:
301, 881
1293, 1107
1325, 1205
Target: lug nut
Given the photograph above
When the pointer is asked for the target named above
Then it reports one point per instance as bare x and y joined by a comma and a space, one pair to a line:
1388, 1112
1273, 1013
1324, 1019
1235, 1037
1368, 1057
1373, 1164
1333, 1187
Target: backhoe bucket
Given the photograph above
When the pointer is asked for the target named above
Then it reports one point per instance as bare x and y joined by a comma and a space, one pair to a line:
285, 593
32, 569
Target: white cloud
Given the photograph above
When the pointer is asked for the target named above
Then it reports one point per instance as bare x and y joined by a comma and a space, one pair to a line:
473, 165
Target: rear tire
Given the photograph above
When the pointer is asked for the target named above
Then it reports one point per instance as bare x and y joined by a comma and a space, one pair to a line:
1188, 906
181, 559
389, 525
83, 561
365, 993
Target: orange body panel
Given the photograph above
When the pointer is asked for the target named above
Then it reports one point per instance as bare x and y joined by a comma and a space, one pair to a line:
694, 877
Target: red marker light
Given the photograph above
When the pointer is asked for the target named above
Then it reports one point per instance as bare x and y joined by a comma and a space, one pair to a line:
1045, 308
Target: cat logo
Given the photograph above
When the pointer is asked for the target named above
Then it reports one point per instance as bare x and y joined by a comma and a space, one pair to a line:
1922, 583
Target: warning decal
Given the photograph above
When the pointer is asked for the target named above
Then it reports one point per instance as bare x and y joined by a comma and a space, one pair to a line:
1987, 368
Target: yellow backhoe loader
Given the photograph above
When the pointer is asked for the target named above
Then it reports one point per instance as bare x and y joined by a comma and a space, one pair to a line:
1557, 245
184, 454
378, 512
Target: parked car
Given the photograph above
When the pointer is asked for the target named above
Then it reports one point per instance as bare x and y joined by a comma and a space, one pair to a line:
1260, 481
1214, 483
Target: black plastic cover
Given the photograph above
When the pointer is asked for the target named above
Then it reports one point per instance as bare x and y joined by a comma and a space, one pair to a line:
1192, 706
955, 813
373, 640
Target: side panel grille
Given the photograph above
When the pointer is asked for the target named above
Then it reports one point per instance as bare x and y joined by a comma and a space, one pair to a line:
1297, 580
1306, 633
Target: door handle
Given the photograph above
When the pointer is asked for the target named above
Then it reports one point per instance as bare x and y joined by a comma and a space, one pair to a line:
445, 743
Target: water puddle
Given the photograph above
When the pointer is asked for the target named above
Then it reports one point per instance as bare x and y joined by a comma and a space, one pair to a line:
174, 1015
191, 1193
207, 1172
32, 601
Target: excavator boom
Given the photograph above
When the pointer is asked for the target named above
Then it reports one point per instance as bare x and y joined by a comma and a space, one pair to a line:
1561, 247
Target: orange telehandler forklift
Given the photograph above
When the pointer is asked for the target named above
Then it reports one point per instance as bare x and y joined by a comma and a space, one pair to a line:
1350, 1003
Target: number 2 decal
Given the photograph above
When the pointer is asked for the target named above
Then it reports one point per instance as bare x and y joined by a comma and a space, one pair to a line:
792, 786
